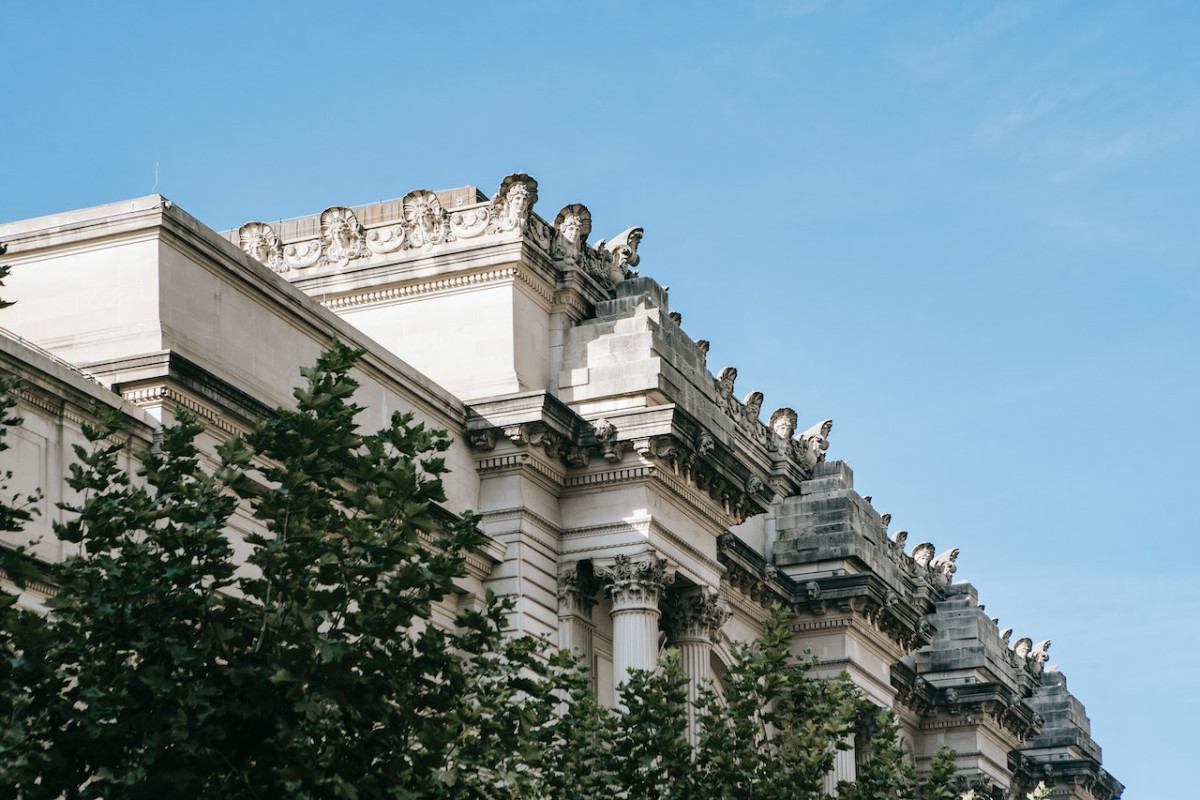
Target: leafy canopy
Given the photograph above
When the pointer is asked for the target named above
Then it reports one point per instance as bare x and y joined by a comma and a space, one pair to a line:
299, 658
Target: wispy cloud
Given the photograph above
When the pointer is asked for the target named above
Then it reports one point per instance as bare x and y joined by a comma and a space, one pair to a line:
1001, 129
941, 53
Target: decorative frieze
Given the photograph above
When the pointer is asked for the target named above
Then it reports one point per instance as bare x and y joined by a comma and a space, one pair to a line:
424, 224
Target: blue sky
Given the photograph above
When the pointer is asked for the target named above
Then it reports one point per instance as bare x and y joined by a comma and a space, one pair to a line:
966, 231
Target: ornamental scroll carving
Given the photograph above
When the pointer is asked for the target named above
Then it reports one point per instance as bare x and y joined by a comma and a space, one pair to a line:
813, 443
622, 254
258, 240
636, 582
342, 236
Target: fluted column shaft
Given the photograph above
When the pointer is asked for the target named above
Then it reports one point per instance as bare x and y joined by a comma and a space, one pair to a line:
577, 588
693, 623
635, 586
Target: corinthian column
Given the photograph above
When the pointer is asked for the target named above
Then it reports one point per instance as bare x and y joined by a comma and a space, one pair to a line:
635, 586
577, 586
693, 623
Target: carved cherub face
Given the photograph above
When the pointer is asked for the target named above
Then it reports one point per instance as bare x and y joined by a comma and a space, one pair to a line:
1022, 648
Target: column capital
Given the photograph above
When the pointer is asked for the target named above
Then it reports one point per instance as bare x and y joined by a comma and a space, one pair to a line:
636, 582
696, 616
577, 587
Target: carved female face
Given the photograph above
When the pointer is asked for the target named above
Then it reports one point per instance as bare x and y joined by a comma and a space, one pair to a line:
571, 226
339, 232
256, 246
784, 427
518, 199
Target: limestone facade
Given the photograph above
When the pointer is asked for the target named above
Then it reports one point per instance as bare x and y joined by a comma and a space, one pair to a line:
632, 501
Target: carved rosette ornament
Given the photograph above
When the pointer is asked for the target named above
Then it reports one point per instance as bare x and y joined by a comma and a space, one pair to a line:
341, 236
513, 203
572, 226
258, 240
696, 617
636, 583
425, 221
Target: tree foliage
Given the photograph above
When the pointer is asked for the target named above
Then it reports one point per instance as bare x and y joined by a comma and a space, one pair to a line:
301, 660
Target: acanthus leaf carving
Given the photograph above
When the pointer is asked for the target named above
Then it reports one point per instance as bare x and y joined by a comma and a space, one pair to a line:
696, 616
577, 588
636, 582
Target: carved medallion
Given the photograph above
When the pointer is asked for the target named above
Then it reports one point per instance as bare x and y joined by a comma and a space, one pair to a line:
258, 240
341, 235
425, 219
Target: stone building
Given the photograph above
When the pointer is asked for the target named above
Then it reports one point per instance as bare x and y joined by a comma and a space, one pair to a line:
633, 500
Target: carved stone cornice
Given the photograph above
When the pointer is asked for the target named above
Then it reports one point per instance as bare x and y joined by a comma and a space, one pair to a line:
870, 599
1071, 776
636, 582
987, 703
748, 572
695, 617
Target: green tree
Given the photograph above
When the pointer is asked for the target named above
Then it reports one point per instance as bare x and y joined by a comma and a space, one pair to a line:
311, 670
309, 667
